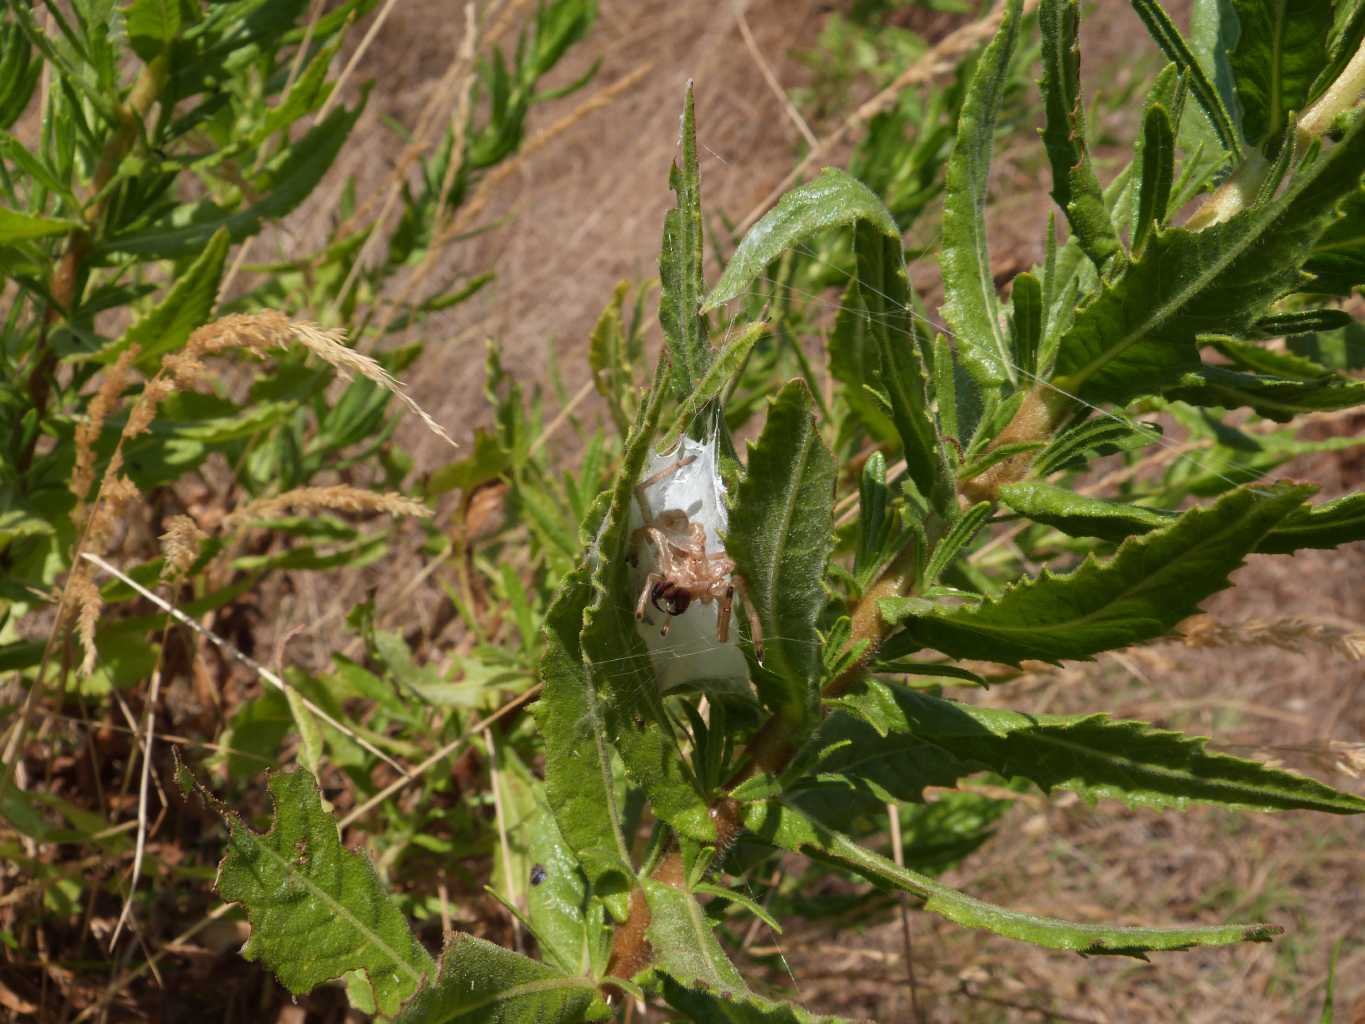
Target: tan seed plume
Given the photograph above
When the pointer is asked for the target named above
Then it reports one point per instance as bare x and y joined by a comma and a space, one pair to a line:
339, 498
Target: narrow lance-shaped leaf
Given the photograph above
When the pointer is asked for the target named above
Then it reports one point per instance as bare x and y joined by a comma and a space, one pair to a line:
1078, 515
1158, 170
1146, 588
578, 754
1026, 295
1173, 45
884, 294
481, 982
1276, 398
1074, 185
723, 369
620, 664
1140, 334
189, 229
787, 828
21, 227
1327, 525
781, 534
1093, 755
834, 199
1281, 47
1338, 260
186, 306
316, 909
970, 305
680, 263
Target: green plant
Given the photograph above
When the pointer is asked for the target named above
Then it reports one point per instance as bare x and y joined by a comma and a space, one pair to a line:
628, 826
147, 152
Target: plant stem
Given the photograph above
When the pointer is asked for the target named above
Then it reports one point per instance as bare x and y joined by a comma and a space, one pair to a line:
1236, 193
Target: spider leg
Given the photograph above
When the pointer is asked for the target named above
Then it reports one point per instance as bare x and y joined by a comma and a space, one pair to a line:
755, 627
727, 604
650, 580
650, 481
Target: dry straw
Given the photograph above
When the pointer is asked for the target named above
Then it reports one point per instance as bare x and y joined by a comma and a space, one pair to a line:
340, 498
1287, 634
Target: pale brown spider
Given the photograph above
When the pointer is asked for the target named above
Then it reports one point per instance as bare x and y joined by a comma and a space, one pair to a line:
683, 569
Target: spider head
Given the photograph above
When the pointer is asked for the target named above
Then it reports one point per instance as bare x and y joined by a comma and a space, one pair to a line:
670, 598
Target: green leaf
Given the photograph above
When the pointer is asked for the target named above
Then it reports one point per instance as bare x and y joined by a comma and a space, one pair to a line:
1087, 441
1276, 398
684, 941
1093, 755
189, 304
481, 983
723, 369
1173, 45
579, 783
959, 535
1077, 515
1338, 260
1026, 295
1280, 50
190, 228
855, 362
1139, 334
1146, 588
1158, 172
316, 909
622, 671
1074, 185
152, 26
970, 305
884, 297
783, 826
781, 534
21, 227
1329, 524
704, 1004
1249, 355
680, 260
834, 199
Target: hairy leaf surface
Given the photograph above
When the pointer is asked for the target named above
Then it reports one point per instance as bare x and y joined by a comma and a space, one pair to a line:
680, 259
900, 375
781, 534
1074, 185
578, 753
970, 305
1078, 515
1093, 755
316, 909
1139, 334
684, 941
1147, 587
834, 199
1276, 398
482, 983
1326, 525
1280, 49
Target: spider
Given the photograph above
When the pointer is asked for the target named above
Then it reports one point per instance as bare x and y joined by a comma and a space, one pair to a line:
684, 571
